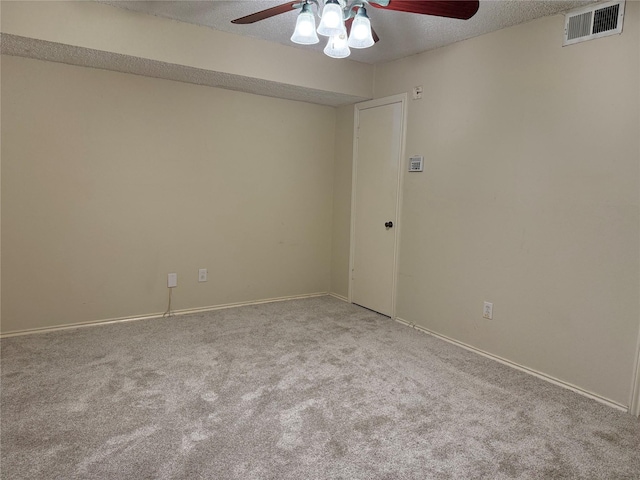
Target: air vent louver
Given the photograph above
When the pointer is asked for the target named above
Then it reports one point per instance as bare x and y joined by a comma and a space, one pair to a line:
605, 19
595, 21
579, 26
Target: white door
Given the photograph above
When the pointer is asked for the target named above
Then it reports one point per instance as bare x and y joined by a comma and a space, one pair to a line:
378, 149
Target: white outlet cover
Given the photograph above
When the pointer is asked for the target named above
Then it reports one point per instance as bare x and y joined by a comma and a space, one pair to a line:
172, 280
487, 311
202, 275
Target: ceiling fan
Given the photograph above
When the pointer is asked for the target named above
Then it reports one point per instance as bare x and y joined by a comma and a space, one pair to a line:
346, 23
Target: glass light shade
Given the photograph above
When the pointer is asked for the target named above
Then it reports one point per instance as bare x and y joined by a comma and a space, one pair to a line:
305, 32
360, 36
332, 22
337, 46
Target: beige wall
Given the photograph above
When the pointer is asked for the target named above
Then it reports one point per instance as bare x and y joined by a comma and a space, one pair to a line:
101, 27
342, 201
529, 199
110, 181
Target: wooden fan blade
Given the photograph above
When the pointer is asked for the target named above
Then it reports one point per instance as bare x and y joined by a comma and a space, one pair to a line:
462, 9
375, 36
269, 12
348, 23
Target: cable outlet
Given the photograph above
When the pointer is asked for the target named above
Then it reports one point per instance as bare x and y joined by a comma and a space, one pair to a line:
172, 280
202, 275
487, 311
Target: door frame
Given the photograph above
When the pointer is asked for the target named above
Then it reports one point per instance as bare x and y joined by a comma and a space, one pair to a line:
634, 404
379, 102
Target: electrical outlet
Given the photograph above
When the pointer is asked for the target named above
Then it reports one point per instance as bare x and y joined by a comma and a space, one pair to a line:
417, 92
202, 275
487, 311
172, 280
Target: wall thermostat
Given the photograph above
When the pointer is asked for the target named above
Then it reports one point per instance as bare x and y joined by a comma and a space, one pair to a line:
416, 163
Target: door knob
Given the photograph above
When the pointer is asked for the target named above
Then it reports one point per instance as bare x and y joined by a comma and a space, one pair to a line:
388, 225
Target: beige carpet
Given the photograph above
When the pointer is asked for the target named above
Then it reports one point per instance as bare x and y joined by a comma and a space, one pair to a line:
307, 389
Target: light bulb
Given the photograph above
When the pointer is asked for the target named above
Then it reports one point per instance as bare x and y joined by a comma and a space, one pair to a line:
331, 18
305, 32
360, 32
337, 46
361, 36
332, 21
306, 29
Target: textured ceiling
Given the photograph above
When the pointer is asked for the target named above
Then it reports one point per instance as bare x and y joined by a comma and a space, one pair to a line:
402, 34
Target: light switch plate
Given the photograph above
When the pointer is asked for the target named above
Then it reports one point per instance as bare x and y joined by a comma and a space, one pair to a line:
416, 163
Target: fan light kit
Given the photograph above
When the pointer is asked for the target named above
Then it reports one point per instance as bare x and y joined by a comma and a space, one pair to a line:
347, 24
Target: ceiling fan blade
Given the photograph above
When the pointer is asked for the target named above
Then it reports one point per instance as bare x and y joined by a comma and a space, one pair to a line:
348, 23
462, 9
269, 12
375, 36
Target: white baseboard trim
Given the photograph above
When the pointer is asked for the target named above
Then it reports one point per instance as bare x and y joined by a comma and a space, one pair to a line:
339, 297
185, 311
517, 366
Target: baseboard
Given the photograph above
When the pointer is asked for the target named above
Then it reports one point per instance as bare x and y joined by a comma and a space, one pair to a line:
339, 297
185, 311
517, 366
633, 409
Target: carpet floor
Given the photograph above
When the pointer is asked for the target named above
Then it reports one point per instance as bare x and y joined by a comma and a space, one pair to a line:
305, 389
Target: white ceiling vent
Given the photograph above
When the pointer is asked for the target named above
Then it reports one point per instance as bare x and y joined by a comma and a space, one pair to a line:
594, 21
